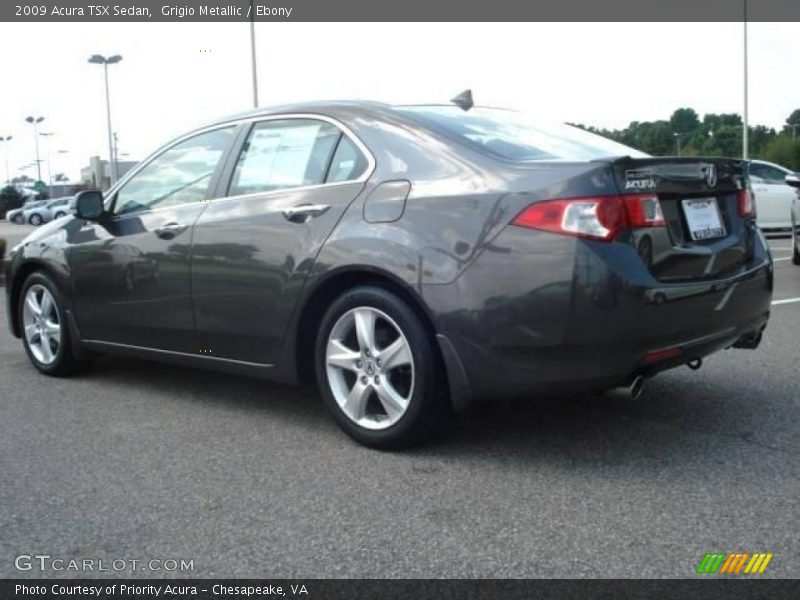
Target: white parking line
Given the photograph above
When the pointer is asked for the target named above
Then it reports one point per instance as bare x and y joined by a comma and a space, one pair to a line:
785, 301
783, 258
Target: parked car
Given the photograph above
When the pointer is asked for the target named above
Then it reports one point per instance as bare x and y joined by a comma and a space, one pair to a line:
49, 210
793, 180
773, 195
17, 215
409, 259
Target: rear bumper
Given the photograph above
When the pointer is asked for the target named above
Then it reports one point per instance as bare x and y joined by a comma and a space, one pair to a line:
569, 316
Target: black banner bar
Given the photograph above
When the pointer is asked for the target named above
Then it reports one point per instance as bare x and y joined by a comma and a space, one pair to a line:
407, 10
705, 588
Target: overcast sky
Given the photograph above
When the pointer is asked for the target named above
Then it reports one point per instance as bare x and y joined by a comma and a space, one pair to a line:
175, 76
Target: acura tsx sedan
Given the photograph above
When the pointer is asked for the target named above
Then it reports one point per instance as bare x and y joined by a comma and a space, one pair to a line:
410, 260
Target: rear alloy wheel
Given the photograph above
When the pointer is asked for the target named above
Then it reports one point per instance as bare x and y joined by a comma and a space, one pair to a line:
35, 219
45, 333
376, 369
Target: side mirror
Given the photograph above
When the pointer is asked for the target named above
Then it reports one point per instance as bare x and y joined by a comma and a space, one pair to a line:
89, 205
793, 179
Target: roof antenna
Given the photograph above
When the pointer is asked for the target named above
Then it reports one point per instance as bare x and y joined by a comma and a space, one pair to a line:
463, 100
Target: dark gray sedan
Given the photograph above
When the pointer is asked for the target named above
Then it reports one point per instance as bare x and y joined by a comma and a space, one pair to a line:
409, 259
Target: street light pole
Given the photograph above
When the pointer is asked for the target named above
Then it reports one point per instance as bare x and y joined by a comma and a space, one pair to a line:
253, 54
49, 170
35, 122
677, 143
5, 154
116, 151
63, 152
744, 126
98, 59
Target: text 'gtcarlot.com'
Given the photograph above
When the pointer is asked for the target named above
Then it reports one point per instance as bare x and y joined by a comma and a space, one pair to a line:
46, 562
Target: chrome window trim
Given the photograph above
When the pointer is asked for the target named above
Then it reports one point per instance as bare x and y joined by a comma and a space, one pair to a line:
371, 163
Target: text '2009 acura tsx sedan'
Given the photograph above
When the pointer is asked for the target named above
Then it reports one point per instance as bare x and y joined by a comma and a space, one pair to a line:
409, 259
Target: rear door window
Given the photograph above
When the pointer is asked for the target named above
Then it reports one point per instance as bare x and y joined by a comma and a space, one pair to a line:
284, 154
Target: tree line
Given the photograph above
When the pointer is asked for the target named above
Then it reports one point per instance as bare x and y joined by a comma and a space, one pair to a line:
713, 135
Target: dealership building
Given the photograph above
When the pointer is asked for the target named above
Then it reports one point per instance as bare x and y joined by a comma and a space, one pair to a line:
98, 174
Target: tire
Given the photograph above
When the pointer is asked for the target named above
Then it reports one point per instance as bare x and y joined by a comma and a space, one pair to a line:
51, 320
35, 220
58, 215
395, 400
18, 219
795, 249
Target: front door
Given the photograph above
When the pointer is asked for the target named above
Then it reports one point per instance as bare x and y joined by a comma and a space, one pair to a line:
253, 248
131, 269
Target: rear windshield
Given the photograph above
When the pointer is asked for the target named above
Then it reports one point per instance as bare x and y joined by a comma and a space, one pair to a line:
515, 136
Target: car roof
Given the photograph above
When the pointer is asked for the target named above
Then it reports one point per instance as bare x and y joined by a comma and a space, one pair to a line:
771, 164
323, 107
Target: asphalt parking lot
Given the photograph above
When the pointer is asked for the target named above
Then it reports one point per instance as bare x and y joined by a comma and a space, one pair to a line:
136, 460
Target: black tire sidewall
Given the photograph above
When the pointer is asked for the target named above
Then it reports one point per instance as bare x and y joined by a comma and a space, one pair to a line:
795, 249
64, 355
427, 394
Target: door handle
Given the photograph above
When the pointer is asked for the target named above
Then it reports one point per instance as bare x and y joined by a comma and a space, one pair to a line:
168, 230
304, 212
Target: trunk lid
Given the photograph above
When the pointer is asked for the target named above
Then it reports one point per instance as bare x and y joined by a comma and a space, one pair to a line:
703, 236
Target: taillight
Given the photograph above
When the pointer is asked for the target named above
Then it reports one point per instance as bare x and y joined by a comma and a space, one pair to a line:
644, 211
598, 218
746, 203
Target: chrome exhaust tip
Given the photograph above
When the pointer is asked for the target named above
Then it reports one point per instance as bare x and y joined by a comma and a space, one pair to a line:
695, 364
632, 391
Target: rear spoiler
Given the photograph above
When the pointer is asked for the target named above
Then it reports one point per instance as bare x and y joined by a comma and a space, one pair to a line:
658, 172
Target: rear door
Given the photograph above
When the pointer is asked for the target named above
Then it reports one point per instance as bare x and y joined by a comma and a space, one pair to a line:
253, 247
702, 232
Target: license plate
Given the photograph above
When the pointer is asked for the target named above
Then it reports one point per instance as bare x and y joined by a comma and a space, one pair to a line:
702, 216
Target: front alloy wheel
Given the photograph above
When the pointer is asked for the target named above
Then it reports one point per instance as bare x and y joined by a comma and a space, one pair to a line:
35, 220
42, 324
377, 369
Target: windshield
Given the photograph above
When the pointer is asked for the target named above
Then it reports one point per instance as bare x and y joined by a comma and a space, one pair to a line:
516, 136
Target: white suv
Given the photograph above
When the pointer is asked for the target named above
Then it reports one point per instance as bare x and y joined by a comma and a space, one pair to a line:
773, 196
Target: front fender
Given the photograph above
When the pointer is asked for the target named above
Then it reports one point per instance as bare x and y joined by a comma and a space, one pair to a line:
46, 249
